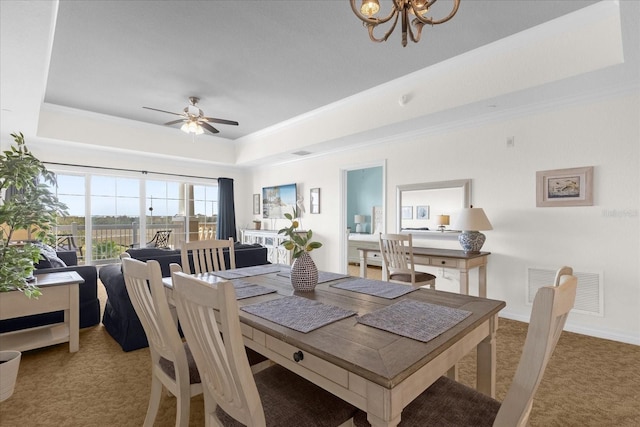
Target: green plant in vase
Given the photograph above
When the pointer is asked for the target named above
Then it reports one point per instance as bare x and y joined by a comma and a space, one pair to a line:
27, 203
298, 243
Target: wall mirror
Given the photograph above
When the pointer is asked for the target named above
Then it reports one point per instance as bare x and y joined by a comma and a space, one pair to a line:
420, 206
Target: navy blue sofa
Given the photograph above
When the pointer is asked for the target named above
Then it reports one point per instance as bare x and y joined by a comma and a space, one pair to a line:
120, 318
89, 302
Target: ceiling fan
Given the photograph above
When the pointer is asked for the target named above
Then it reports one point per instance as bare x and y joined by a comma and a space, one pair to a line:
193, 119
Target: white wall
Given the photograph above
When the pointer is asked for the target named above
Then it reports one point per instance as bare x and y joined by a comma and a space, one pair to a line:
603, 238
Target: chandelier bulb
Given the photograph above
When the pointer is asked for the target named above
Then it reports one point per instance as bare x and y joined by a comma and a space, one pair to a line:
370, 7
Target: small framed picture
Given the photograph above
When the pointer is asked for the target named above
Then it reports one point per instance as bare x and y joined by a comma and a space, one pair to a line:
256, 204
407, 212
422, 212
314, 201
565, 187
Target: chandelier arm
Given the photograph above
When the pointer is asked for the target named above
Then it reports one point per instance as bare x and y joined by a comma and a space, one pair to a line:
386, 35
374, 21
418, 26
432, 21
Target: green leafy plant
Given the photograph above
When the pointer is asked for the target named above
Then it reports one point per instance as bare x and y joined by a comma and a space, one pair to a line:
298, 242
27, 204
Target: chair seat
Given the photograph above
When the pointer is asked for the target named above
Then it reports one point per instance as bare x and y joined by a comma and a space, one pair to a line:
169, 369
447, 403
290, 400
420, 277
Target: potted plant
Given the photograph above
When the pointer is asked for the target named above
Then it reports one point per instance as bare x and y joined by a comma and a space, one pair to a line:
304, 273
27, 203
9, 364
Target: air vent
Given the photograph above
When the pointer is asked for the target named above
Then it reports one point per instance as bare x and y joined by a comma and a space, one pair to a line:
301, 153
589, 295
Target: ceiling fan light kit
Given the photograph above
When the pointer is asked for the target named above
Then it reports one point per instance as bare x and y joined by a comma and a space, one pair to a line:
193, 119
413, 14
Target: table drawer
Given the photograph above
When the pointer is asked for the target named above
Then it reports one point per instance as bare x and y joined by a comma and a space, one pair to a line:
444, 262
310, 362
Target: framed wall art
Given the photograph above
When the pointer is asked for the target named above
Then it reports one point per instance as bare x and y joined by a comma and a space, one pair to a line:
256, 204
407, 212
315, 201
422, 212
565, 187
278, 200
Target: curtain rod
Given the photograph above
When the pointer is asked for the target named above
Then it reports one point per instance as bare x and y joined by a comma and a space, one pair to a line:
143, 172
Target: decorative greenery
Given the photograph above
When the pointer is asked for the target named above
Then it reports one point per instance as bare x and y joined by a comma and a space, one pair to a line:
27, 204
298, 242
106, 249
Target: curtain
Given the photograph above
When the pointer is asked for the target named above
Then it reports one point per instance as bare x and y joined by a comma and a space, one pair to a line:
226, 210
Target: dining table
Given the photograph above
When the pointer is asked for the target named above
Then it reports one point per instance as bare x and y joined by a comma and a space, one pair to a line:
374, 344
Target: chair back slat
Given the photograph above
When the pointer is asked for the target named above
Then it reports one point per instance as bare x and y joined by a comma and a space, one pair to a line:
223, 365
207, 255
551, 307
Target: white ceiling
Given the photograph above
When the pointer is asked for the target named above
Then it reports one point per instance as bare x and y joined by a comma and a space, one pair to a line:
266, 64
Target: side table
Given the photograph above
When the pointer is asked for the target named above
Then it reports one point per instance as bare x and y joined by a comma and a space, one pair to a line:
59, 292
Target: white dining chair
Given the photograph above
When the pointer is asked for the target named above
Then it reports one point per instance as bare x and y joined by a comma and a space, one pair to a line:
232, 395
448, 403
397, 255
172, 364
207, 255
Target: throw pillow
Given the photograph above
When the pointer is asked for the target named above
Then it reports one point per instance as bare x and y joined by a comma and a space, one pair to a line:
49, 255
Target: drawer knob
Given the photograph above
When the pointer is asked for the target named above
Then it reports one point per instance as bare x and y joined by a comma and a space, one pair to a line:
443, 262
298, 356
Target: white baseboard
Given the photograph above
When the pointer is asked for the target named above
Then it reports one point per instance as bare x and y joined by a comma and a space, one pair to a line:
578, 329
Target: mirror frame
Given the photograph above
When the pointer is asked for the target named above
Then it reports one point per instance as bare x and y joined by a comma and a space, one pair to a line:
465, 184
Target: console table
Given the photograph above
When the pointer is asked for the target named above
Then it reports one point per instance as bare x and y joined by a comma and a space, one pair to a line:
448, 258
59, 292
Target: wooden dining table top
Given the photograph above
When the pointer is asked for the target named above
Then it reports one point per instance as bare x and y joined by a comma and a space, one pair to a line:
381, 357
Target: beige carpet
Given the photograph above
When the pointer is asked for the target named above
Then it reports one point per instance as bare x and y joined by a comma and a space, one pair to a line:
589, 382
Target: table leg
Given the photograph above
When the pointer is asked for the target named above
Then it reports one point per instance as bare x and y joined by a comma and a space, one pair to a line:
363, 263
72, 316
486, 367
464, 281
482, 281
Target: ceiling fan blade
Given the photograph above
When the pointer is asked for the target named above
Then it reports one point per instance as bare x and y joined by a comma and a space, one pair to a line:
208, 127
221, 121
173, 122
163, 111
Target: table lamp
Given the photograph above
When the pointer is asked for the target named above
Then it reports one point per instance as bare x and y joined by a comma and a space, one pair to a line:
359, 220
442, 221
471, 221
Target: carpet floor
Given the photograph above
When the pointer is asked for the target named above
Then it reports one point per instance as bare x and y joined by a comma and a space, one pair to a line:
588, 382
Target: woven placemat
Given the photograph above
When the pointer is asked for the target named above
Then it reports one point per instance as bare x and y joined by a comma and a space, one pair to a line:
376, 288
323, 276
300, 314
414, 319
255, 270
248, 290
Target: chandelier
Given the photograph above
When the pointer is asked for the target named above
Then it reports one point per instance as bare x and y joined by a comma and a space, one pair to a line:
400, 8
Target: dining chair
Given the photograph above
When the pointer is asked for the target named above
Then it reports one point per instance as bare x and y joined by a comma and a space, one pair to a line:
448, 403
207, 255
172, 364
397, 255
232, 395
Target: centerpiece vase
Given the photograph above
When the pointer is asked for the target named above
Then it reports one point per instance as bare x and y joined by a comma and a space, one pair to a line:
304, 273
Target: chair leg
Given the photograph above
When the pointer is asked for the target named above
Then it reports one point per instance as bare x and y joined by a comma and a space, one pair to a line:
183, 404
154, 402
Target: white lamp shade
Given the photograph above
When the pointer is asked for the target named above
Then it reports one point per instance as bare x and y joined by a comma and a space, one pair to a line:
472, 219
359, 219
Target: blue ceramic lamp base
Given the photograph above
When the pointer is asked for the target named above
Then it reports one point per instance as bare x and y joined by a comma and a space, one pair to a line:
471, 241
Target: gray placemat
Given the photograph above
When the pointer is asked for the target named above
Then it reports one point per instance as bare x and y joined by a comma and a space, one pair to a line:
256, 270
376, 288
300, 314
323, 276
248, 290
414, 319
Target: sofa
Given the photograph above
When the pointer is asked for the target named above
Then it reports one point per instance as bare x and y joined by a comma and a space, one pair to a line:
88, 291
120, 319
